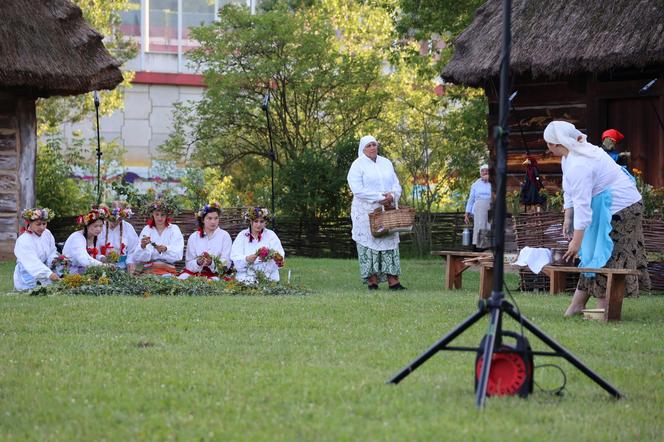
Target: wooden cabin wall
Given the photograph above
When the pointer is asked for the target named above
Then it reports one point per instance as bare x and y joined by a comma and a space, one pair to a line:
18, 147
536, 104
9, 189
593, 104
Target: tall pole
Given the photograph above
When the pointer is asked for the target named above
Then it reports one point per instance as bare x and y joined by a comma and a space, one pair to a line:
96, 98
266, 108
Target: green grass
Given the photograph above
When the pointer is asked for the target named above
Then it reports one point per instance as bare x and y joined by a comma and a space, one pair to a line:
310, 368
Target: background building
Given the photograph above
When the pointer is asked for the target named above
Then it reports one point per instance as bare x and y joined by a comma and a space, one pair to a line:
161, 29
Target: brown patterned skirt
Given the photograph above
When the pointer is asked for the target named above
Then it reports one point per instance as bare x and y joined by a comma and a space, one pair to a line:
629, 252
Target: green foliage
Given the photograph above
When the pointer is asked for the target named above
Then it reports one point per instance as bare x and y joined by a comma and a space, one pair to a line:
314, 184
54, 184
109, 281
653, 197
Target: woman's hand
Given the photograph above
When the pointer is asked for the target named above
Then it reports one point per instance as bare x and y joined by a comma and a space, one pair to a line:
203, 261
466, 217
388, 200
145, 241
161, 248
574, 246
53, 277
251, 258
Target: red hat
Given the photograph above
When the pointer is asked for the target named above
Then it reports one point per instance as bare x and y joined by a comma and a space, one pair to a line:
613, 134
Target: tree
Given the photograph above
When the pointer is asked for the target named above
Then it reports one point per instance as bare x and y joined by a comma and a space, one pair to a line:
323, 86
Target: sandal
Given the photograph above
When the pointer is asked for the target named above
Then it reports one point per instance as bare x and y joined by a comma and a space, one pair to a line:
373, 286
397, 286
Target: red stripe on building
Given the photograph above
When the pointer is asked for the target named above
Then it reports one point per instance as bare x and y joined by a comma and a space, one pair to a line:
168, 78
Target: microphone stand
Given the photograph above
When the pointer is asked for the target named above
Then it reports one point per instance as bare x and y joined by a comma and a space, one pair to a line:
266, 108
96, 99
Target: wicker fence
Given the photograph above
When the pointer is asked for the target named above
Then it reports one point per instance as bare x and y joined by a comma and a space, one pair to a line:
329, 238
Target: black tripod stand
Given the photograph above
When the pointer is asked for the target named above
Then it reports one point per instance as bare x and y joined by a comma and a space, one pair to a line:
96, 100
496, 306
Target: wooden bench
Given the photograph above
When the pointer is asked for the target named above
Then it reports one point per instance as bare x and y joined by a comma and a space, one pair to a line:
455, 265
615, 285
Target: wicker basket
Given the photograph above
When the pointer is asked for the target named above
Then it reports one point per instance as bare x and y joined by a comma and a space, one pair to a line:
387, 221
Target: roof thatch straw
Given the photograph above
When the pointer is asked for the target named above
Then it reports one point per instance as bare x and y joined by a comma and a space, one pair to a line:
47, 48
553, 38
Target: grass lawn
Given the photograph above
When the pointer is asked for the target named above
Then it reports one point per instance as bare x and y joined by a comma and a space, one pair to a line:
311, 368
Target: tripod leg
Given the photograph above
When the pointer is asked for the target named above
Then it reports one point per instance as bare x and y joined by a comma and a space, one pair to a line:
565, 353
489, 345
437, 346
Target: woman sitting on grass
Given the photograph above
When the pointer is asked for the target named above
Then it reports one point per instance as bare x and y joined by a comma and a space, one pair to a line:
257, 249
118, 236
208, 248
82, 247
161, 242
35, 251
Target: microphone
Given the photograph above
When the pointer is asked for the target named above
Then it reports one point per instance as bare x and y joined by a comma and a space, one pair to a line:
266, 101
648, 85
96, 97
513, 96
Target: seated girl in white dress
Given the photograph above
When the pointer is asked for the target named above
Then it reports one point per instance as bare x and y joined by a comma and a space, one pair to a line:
82, 247
161, 244
119, 236
208, 248
35, 251
257, 249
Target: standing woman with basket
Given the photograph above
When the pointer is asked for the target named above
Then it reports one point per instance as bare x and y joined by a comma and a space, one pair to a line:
374, 184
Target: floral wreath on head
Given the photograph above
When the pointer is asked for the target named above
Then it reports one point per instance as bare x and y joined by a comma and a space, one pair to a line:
118, 213
34, 214
164, 206
93, 215
257, 212
211, 206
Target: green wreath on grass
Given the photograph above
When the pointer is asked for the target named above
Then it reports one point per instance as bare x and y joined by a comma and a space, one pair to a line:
109, 281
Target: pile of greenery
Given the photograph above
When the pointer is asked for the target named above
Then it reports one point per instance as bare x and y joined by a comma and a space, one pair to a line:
108, 281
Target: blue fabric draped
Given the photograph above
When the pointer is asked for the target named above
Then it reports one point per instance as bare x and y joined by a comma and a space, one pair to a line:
597, 245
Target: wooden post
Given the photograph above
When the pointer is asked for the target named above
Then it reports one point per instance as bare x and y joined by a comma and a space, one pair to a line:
27, 126
615, 291
486, 281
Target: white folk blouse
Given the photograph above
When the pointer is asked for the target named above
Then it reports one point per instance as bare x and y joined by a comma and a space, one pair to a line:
171, 237
76, 249
34, 255
218, 244
242, 248
112, 236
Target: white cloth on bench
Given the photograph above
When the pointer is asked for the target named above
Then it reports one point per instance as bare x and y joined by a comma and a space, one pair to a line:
534, 257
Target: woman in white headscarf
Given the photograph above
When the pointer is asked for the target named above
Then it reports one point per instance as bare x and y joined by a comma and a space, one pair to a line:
479, 203
374, 183
603, 208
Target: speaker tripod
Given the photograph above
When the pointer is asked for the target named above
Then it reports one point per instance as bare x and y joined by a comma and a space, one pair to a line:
496, 306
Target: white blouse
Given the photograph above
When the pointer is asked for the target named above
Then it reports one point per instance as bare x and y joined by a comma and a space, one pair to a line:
584, 177
112, 237
171, 237
242, 248
218, 244
76, 249
480, 190
369, 180
34, 255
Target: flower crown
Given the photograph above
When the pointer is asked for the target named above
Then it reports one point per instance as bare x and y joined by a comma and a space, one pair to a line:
118, 213
257, 212
162, 205
44, 214
93, 215
212, 205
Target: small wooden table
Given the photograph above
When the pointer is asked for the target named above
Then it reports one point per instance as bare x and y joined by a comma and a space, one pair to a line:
455, 266
615, 284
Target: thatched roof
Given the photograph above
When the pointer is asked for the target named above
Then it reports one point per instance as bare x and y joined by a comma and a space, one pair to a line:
47, 48
553, 38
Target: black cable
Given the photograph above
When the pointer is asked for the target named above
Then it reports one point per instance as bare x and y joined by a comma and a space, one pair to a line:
555, 391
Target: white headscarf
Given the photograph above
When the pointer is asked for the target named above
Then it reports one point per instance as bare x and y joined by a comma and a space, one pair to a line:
483, 166
562, 132
363, 142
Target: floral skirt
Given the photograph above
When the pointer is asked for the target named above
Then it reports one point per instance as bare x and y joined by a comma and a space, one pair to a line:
629, 252
378, 262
